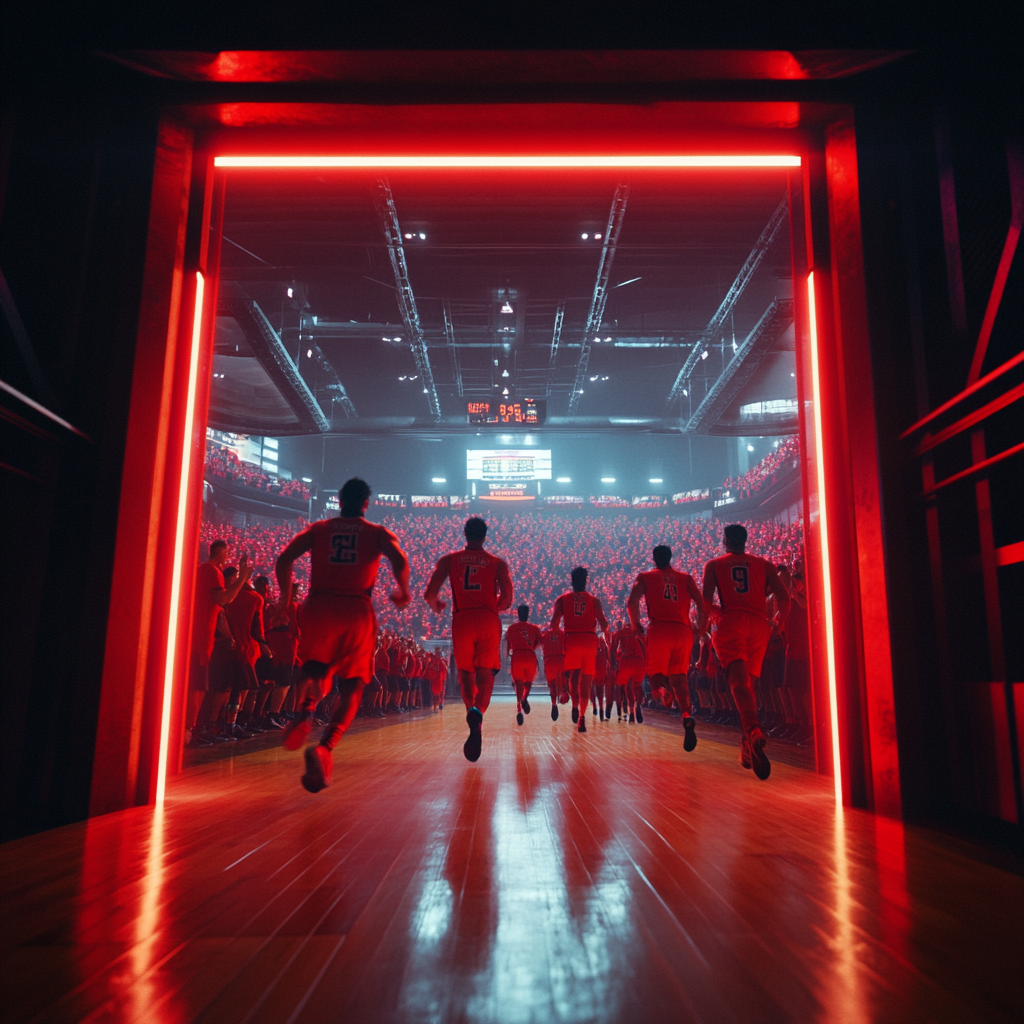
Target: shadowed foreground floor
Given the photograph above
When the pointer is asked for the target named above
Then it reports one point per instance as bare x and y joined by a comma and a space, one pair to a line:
604, 877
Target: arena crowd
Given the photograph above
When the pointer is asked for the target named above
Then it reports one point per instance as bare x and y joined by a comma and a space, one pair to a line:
222, 464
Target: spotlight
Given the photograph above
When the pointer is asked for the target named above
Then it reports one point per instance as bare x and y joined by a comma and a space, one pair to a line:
564, 480
685, 393
655, 480
584, 236
309, 353
401, 378
734, 346
504, 373
597, 235
438, 480
607, 479
504, 391
291, 293
704, 354
424, 391
593, 378
423, 237
792, 375
408, 234
750, 447
507, 308
307, 479
607, 339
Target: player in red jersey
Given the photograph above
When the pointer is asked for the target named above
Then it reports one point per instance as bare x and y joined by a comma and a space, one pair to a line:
338, 629
522, 639
211, 595
481, 588
667, 594
582, 613
552, 642
743, 583
601, 680
630, 653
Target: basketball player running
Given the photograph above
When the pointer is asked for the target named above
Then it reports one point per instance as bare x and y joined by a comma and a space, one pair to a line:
601, 677
521, 641
667, 594
743, 582
481, 588
338, 628
630, 653
552, 643
582, 613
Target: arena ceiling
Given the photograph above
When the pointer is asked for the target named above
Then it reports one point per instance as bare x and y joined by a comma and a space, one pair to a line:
496, 280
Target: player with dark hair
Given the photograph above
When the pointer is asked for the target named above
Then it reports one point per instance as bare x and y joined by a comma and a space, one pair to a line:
743, 583
582, 613
481, 588
667, 594
338, 628
521, 641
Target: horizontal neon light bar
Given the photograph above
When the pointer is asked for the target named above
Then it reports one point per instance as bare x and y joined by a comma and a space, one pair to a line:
752, 160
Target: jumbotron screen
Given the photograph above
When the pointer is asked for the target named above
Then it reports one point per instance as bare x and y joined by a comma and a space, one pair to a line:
508, 465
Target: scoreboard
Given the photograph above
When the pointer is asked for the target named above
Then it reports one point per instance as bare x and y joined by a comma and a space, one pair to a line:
524, 412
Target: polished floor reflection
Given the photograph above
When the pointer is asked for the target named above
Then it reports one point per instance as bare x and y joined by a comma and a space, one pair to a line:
603, 877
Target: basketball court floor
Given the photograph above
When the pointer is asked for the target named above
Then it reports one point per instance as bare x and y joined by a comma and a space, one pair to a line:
600, 877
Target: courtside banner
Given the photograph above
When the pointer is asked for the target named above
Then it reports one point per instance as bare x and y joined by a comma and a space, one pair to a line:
686, 497
429, 500
564, 501
649, 501
391, 501
610, 501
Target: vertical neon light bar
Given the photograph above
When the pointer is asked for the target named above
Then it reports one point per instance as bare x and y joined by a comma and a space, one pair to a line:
826, 567
179, 543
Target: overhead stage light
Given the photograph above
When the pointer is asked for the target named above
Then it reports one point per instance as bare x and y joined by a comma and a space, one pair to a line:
309, 353
563, 480
504, 373
408, 234
438, 480
655, 480
704, 354
597, 235
423, 237
607, 479
750, 447
507, 307
504, 391
584, 236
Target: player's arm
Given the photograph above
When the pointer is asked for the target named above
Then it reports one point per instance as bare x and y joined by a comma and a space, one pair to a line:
504, 579
256, 631
778, 588
633, 605
437, 578
695, 596
225, 595
556, 614
708, 597
299, 545
393, 552
601, 620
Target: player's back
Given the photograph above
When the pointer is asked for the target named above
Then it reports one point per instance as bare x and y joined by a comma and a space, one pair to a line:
345, 555
473, 574
240, 614
666, 592
579, 611
627, 644
742, 582
522, 636
553, 643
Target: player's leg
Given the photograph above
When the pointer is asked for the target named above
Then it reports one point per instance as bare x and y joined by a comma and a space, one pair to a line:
314, 679
574, 694
318, 758
553, 689
520, 687
680, 686
584, 683
753, 741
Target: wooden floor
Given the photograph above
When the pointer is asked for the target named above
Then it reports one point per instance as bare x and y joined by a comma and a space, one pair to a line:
604, 877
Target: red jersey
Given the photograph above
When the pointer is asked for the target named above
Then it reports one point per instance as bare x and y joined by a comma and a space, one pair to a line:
522, 636
579, 611
246, 608
208, 579
742, 582
667, 595
282, 632
602, 659
627, 644
552, 642
345, 555
473, 575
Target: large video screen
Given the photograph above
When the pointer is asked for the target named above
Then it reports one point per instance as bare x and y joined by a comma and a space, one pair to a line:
508, 465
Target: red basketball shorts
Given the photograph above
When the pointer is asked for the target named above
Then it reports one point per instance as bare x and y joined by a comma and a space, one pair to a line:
341, 631
476, 638
581, 652
668, 648
742, 636
553, 668
631, 671
524, 666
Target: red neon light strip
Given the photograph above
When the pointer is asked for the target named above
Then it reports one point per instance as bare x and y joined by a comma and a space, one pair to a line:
654, 161
179, 544
826, 565
995, 297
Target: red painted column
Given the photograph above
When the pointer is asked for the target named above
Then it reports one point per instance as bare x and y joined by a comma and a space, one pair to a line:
132, 673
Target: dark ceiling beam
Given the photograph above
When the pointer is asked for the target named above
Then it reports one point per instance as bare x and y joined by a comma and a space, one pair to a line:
747, 358
713, 328
267, 347
556, 334
333, 381
384, 201
600, 296
453, 351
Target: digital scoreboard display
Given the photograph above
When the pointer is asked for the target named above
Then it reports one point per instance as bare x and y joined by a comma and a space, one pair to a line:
524, 412
508, 465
